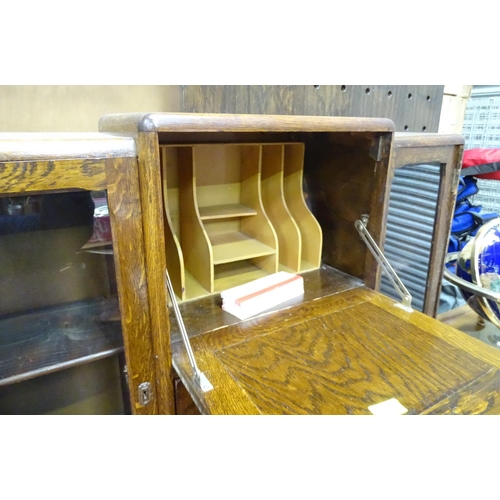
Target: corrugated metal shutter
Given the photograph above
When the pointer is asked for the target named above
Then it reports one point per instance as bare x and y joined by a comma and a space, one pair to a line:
410, 226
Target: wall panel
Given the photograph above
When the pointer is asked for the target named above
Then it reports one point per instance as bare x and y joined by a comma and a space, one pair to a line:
413, 108
77, 108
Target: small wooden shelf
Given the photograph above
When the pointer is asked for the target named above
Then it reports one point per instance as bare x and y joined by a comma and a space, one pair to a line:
53, 338
225, 211
232, 247
235, 274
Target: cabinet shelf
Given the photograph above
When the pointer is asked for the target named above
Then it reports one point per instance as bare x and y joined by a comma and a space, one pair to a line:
235, 274
232, 247
53, 338
225, 211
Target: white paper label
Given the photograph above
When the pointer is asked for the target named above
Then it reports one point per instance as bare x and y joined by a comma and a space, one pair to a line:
389, 407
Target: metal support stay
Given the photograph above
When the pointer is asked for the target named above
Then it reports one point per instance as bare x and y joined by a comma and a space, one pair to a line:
199, 377
384, 263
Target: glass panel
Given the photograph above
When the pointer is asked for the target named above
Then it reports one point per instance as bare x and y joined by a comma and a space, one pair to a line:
59, 306
410, 227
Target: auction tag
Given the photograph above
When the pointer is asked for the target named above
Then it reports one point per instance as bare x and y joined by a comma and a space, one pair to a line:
389, 407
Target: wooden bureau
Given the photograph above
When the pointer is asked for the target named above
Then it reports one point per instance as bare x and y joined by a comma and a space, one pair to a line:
340, 348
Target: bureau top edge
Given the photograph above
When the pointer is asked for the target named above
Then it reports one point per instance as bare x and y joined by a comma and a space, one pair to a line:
33, 146
207, 122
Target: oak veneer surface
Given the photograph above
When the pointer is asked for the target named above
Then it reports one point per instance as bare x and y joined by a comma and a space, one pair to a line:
213, 122
33, 162
129, 254
205, 315
413, 140
340, 354
155, 259
35, 146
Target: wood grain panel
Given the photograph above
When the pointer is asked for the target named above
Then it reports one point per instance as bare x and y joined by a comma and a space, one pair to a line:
37, 176
342, 363
126, 226
344, 182
50, 146
403, 140
205, 315
339, 355
480, 397
191, 128
226, 397
268, 99
280, 319
154, 245
377, 223
453, 337
411, 107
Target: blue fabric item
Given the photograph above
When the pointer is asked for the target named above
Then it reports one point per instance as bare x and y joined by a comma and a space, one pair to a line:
467, 186
465, 206
455, 245
467, 218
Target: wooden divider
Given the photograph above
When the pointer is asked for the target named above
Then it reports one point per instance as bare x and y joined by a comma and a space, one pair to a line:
175, 259
312, 236
198, 258
287, 231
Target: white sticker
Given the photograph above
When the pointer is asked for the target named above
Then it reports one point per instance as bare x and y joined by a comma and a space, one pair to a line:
389, 407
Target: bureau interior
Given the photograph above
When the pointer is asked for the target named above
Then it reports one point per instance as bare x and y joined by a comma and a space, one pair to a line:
238, 211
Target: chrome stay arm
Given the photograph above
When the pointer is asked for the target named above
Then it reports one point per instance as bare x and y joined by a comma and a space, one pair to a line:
384, 263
